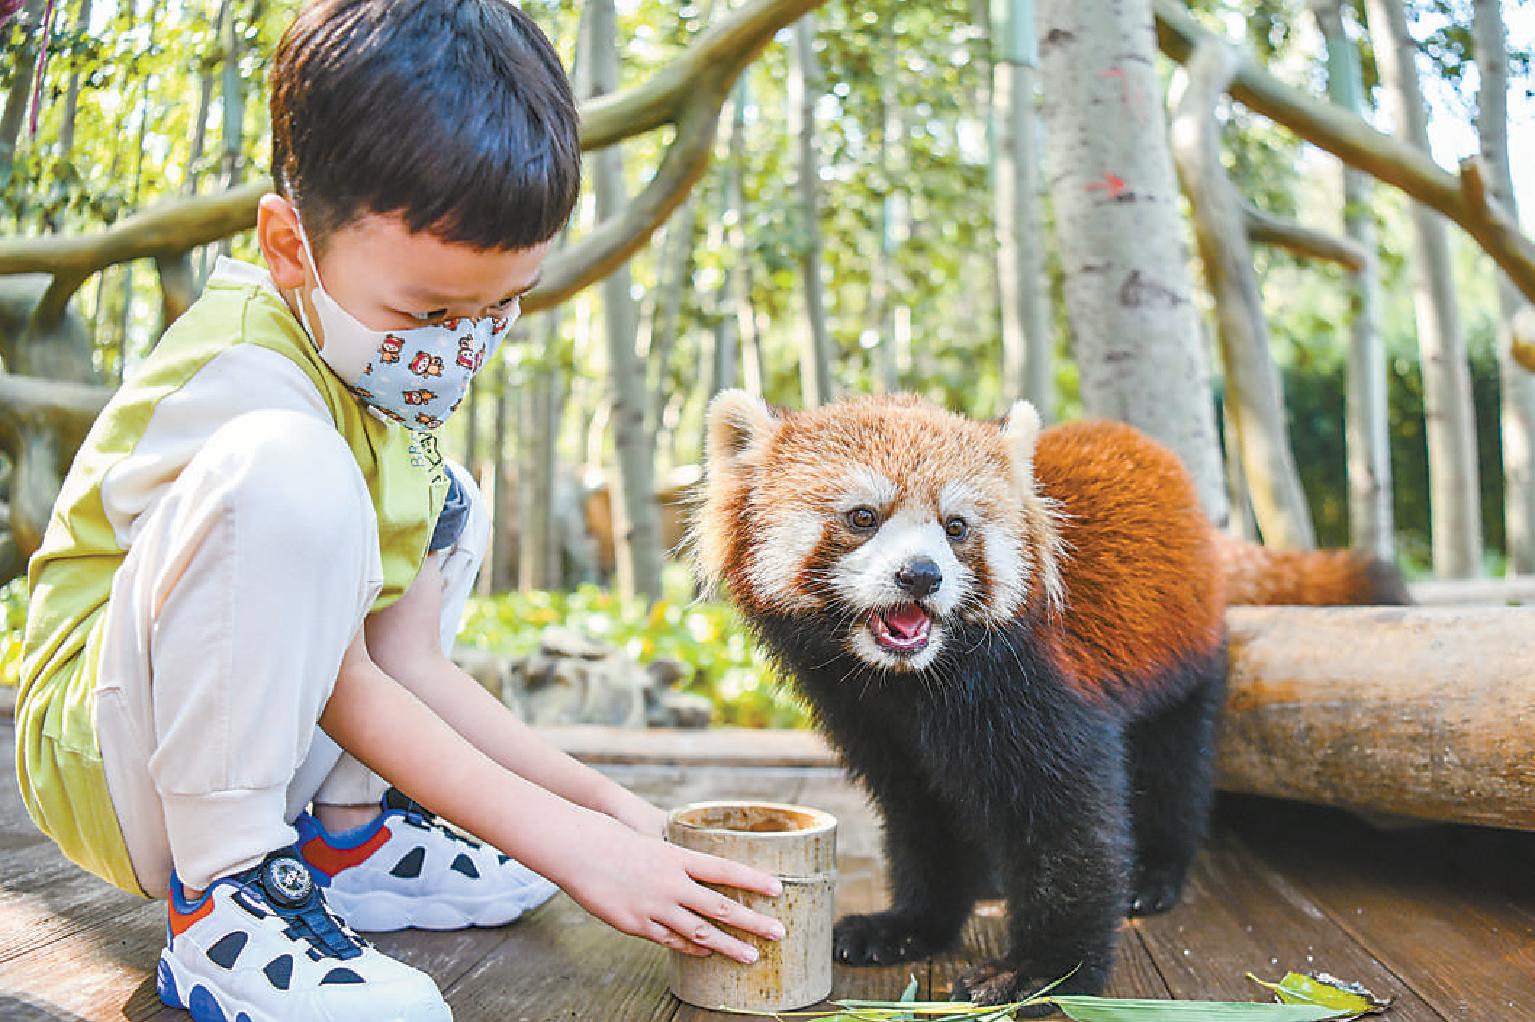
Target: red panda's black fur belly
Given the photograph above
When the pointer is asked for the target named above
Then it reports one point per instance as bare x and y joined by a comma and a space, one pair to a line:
1000, 770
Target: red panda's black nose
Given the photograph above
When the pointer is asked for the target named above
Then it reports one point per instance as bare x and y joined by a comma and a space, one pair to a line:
919, 578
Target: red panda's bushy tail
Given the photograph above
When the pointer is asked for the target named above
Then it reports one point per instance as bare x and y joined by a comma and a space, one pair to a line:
1259, 575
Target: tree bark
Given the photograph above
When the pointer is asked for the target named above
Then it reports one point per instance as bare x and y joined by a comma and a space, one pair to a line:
233, 87
15, 110
665, 320
1516, 384
1423, 712
502, 556
1367, 424
1135, 330
538, 558
738, 241
1456, 522
637, 531
1255, 399
72, 95
199, 146
1028, 369
816, 385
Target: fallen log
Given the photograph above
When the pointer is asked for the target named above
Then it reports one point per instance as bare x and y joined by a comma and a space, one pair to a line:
1426, 712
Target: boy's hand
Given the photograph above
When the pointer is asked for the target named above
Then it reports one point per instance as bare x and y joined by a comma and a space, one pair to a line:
644, 818
647, 888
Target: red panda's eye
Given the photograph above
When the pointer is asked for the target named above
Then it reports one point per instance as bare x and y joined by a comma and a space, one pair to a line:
862, 518
956, 528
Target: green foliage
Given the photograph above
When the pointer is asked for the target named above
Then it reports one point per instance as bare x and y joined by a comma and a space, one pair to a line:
708, 638
1315, 397
13, 620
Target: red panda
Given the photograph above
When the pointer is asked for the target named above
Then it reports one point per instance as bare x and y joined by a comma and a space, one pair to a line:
1015, 638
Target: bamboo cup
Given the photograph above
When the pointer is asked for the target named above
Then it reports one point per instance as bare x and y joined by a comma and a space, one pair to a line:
799, 846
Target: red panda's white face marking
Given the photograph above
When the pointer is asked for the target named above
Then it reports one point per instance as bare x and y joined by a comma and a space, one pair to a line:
888, 515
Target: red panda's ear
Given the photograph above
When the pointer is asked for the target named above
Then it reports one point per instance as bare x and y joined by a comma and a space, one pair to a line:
738, 424
1021, 429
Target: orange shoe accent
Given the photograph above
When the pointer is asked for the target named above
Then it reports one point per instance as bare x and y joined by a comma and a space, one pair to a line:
331, 861
181, 922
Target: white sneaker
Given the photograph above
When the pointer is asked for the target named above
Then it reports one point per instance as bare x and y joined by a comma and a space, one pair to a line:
262, 946
408, 869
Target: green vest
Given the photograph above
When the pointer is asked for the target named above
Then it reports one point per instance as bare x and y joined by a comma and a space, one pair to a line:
58, 757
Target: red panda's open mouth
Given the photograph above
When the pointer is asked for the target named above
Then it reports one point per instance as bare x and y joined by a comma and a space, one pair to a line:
902, 630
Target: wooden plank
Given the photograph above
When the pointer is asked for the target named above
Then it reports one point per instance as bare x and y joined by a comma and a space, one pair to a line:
99, 973
1239, 916
1450, 910
726, 746
562, 964
44, 898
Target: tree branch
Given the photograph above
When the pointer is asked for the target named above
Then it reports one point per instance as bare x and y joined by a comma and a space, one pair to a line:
163, 229
1267, 229
723, 49
26, 400
1356, 143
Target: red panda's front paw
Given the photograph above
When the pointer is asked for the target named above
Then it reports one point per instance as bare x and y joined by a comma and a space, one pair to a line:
997, 982
1155, 889
883, 938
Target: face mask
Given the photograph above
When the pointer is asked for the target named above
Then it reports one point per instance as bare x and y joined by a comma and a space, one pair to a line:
416, 377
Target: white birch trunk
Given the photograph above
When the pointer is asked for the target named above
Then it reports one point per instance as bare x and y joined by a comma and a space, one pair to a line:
1517, 384
1367, 422
636, 527
1027, 337
1135, 330
804, 87
1450, 417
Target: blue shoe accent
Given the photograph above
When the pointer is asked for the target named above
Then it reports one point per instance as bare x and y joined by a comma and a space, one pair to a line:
242, 1017
204, 1007
165, 986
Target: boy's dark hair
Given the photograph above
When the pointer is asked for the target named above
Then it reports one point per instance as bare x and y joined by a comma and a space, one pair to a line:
454, 114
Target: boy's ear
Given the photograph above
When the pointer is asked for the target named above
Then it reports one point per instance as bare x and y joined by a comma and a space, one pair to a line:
739, 426
1021, 430
277, 234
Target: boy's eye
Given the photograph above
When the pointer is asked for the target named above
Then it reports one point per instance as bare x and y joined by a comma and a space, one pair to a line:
427, 317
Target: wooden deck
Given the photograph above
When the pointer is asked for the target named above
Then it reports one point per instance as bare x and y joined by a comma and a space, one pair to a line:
1441, 918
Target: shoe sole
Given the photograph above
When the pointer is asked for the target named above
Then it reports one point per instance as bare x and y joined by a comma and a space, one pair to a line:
387, 912
205, 1006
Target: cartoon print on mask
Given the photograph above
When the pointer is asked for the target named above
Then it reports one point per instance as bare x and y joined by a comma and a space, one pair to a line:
468, 357
425, 364
429, 421
389, 350
418, 397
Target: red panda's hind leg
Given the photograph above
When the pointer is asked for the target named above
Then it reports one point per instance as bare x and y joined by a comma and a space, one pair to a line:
1172, 780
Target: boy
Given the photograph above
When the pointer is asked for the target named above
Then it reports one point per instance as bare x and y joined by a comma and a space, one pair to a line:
243, 600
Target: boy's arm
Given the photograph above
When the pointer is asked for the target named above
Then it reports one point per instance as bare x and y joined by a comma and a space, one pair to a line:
402, 640
635, 883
